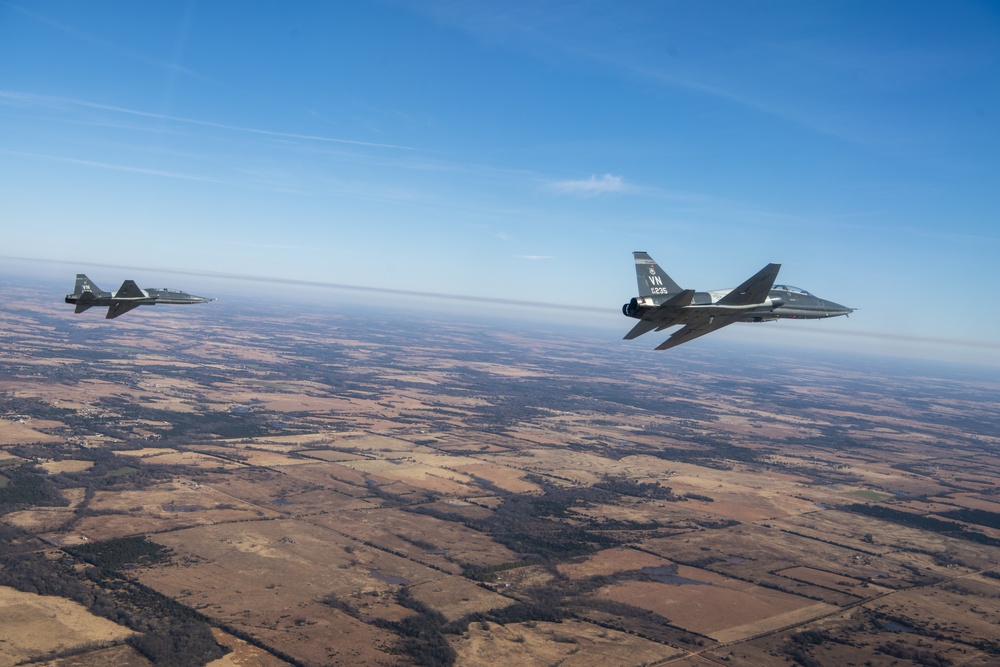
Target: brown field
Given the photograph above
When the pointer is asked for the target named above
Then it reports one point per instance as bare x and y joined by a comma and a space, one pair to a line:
32, 625
242, 654
15, 433
611, 561
694, 606
570, 643
115, 656
837, 582
442, 544
325, 486
172, 457
40, 520
267, 574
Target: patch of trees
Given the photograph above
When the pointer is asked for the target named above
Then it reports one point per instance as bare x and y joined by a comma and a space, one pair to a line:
929, 523
178, 635
563, 598
421, 634
178, 644
519, 612
976, 516
164, 619
32, 407
113, 471
223, 424
549, 528
624, 486
120, 552
714, 454
533, 524
27, 487
183, 425
489, 572
801, 642
14, 540
917, 655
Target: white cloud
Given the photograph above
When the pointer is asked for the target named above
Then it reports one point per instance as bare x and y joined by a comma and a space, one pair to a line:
591, 187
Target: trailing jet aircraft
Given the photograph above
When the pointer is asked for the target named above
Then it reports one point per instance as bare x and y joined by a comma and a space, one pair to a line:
129, 296
662, 303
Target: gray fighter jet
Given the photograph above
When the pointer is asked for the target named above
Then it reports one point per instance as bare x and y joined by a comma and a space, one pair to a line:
129, 296
662, 303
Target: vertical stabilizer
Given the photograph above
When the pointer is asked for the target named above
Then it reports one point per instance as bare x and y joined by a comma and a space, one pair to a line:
653, 281
85, 285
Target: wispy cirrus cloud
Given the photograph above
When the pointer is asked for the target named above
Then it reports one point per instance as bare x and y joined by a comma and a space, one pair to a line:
591, 187
120, 167
29, 100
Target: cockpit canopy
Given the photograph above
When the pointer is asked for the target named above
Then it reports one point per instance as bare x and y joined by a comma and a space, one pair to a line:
793, 290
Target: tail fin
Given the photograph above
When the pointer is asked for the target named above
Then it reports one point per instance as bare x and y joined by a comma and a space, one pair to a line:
85, 285
653, 281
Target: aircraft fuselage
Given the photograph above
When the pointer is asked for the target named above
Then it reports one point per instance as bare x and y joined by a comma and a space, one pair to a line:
129, 296
782, 302
662, 303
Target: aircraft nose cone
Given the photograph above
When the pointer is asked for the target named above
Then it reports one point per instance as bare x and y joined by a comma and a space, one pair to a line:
835, 309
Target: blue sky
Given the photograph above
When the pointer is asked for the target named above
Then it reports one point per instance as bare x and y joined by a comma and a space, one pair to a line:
522, 150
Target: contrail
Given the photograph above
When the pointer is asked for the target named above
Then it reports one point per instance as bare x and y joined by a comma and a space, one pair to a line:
327, 285
985, 344
955, 342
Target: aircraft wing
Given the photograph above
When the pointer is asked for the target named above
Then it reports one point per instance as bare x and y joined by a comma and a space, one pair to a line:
700, 327
754, 290
120, 308
129, 290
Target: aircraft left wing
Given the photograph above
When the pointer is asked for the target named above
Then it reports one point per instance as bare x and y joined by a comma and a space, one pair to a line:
120, 308
129, 290
754, 289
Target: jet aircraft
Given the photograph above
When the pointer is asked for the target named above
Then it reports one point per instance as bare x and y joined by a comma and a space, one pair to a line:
662, 303
129, 296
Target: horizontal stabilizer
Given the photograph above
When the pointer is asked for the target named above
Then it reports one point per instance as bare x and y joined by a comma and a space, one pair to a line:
642, 327
82, 306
